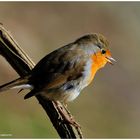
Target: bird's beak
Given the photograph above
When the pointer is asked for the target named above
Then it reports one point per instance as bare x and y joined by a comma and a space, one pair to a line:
110, 60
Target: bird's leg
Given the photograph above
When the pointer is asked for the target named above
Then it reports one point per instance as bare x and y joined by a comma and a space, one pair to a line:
61, 110
71, 117
65, 106
66, 114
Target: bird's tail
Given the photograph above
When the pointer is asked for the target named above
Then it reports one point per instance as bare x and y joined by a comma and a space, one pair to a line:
16, 84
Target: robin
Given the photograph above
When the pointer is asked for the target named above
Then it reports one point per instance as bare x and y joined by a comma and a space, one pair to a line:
65, 72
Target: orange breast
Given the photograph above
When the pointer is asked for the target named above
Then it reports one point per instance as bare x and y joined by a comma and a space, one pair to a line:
98, 61
94, 69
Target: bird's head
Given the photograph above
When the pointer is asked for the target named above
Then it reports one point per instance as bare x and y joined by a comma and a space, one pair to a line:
98, 47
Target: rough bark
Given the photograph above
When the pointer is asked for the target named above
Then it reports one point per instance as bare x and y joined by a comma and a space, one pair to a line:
23, 65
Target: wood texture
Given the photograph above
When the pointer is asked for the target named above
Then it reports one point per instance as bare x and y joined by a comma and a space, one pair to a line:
23, 65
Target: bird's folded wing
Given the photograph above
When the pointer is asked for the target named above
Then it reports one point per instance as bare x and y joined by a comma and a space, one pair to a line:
69, 67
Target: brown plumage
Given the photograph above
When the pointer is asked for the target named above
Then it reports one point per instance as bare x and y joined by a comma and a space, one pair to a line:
62, 74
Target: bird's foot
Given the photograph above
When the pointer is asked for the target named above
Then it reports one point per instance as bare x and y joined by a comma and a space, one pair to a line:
66, 114
73, 122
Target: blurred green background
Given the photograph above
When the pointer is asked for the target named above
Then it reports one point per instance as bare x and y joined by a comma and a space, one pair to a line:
110, 106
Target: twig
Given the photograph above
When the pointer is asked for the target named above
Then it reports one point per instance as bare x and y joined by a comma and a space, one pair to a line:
23, 65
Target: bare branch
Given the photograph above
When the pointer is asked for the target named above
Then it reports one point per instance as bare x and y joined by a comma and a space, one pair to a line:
23, 65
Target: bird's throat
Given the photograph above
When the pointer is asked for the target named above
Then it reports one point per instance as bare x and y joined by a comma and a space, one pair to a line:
98, 61
94, 69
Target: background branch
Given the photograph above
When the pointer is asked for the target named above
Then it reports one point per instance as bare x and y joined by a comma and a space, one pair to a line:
23, 65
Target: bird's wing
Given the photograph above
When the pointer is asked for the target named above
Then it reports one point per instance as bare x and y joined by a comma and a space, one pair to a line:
59, 67
71, 69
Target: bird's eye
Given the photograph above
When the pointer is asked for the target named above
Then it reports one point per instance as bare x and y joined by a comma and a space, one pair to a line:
103, 51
